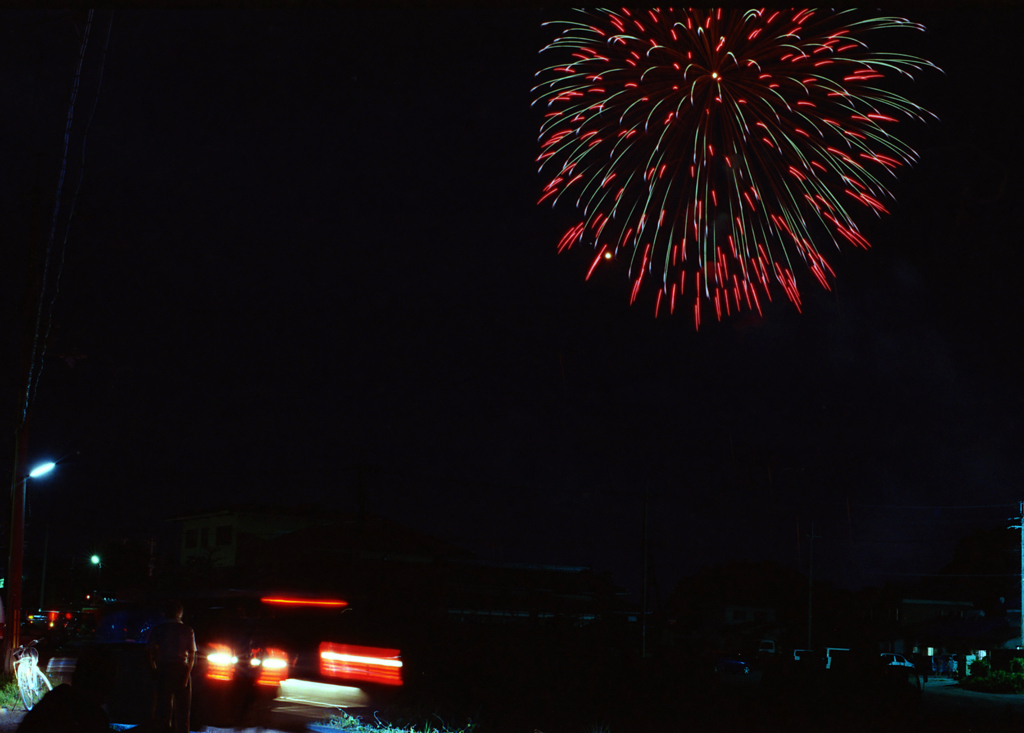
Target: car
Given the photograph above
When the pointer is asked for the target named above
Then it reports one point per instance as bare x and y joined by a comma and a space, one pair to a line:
895, 660
731, 665
836, 657
263, 657
263, 660
278, 655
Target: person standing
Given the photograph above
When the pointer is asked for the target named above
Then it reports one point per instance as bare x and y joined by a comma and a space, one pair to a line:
922, 664
172, 653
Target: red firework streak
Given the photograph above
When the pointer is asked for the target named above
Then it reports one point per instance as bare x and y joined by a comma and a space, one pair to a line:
717, 153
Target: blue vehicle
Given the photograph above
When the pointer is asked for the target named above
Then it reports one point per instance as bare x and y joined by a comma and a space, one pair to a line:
731, 665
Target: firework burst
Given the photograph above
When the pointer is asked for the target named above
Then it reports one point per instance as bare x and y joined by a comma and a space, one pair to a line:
715, 151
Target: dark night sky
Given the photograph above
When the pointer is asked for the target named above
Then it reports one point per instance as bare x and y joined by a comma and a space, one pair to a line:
307, 242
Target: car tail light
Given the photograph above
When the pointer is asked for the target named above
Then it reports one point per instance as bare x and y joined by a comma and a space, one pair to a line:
220, 662
361, 663
273, 664
287, 601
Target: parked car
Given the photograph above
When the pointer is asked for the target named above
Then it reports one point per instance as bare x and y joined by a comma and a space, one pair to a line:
836, 656
731, 665
896, 660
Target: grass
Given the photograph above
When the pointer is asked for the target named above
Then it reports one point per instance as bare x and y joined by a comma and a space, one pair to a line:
350, 724
9, 697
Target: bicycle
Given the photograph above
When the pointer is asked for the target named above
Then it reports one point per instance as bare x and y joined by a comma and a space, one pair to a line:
32, 683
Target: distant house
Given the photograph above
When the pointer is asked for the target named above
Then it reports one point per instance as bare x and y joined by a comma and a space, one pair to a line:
934, 627
914, 611
748, 615
223, 536
370, 558
740, 628
276, 540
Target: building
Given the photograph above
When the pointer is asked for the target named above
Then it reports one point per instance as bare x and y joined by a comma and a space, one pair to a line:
216, 536
370, 559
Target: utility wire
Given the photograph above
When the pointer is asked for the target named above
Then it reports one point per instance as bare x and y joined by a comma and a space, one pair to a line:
946, 575
35, 357
78, 187
925, 506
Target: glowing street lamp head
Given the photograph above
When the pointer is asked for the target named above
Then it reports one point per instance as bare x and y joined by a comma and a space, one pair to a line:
95, 559
41, 469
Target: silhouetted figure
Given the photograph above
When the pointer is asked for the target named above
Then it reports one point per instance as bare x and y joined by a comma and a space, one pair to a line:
923, 665
76, 707
172, 652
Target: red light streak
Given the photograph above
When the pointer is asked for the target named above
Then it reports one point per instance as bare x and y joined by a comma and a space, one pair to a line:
361, 663
597, 259
304, 602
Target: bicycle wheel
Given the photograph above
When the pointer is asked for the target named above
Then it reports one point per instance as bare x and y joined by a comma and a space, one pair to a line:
32, 684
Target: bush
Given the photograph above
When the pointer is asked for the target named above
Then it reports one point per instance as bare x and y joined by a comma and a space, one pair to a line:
995, 681
980, 668
1017, 665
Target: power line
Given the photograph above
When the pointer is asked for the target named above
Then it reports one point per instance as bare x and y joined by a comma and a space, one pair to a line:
945, 575
924, 541
924, 506
34, 371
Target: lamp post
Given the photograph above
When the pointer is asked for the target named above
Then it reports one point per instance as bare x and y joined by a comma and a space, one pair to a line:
14, 564
1021, 528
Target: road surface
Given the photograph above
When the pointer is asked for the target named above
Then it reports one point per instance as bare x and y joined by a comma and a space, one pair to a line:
943, 707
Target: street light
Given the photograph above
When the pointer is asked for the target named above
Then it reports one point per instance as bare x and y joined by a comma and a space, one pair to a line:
98, 562
42, 469
12, 632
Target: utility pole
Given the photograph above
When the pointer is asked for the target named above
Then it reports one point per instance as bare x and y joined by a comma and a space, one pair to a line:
643, 591
42, 577
39, 260
810, 586
16, 548
1021, 528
